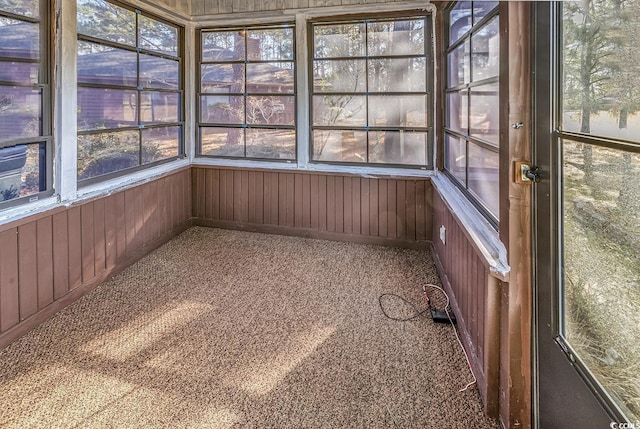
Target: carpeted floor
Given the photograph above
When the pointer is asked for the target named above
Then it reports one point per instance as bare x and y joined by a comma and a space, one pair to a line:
228, 329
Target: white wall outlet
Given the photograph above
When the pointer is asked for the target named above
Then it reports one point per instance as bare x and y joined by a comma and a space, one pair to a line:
443, 234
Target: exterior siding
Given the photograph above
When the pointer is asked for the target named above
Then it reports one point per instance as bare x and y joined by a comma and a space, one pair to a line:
475, 299
344, 207
50, 259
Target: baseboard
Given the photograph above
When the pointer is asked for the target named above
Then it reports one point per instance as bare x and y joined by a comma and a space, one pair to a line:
312, 233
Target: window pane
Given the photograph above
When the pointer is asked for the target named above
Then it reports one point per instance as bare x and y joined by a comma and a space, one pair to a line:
105, 153
107, 21
223, 45
20, 112
270, 77
221, 109
339, 110
270, 44
455, 160
222, 141
22, 171
601, 230
339, 40
398, 147
482, 9
270, 110
30, 8
397, 75
601, 82
459, 20
23, 73
483, 176
271, 144
160, 143
106, 65
161, 73
457, 111
19, 39
398, 111
485, 54
157, 36
339, 76
157, 107
340, 145
484, 113
223, 78
396, 38
458, 63
106, 108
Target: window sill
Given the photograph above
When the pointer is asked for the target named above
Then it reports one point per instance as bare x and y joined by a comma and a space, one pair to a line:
479, 230
364, 171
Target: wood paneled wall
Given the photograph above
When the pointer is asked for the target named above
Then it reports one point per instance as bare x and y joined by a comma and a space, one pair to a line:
475, 299
385, 211
49, 260
213, 7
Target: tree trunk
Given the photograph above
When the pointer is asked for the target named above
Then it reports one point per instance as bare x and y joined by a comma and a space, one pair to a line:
622, 119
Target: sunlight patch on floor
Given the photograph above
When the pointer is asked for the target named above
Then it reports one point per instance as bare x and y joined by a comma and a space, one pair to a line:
263, 377
29, 406
124, 343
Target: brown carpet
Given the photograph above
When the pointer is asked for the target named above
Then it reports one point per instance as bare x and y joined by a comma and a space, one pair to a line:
228, 329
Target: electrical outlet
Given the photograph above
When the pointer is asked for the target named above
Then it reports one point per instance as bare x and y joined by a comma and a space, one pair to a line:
443, 234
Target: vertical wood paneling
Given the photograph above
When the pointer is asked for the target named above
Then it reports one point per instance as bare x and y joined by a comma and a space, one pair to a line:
61, 254
322, 203
348, 206
339, 201
298, 202
290, 199
75, 246
392, 208
9, 306
383, 208
468, 278
99, 236
88, 242
365, 207
314, 196
28, 269
355, 206
44, 258
237, 195
306, 201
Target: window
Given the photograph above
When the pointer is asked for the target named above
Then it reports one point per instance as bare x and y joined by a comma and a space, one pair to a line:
597, 135
472, 102
370, 92
129, 90
25, 124
247, 102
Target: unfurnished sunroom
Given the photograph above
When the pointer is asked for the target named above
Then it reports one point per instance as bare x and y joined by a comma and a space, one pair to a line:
237, 213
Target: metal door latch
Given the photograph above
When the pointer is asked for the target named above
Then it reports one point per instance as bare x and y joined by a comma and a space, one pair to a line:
526, 173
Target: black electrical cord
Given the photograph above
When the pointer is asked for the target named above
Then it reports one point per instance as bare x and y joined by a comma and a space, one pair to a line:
400, 319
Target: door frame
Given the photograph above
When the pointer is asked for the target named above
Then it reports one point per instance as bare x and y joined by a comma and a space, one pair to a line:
565, 395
